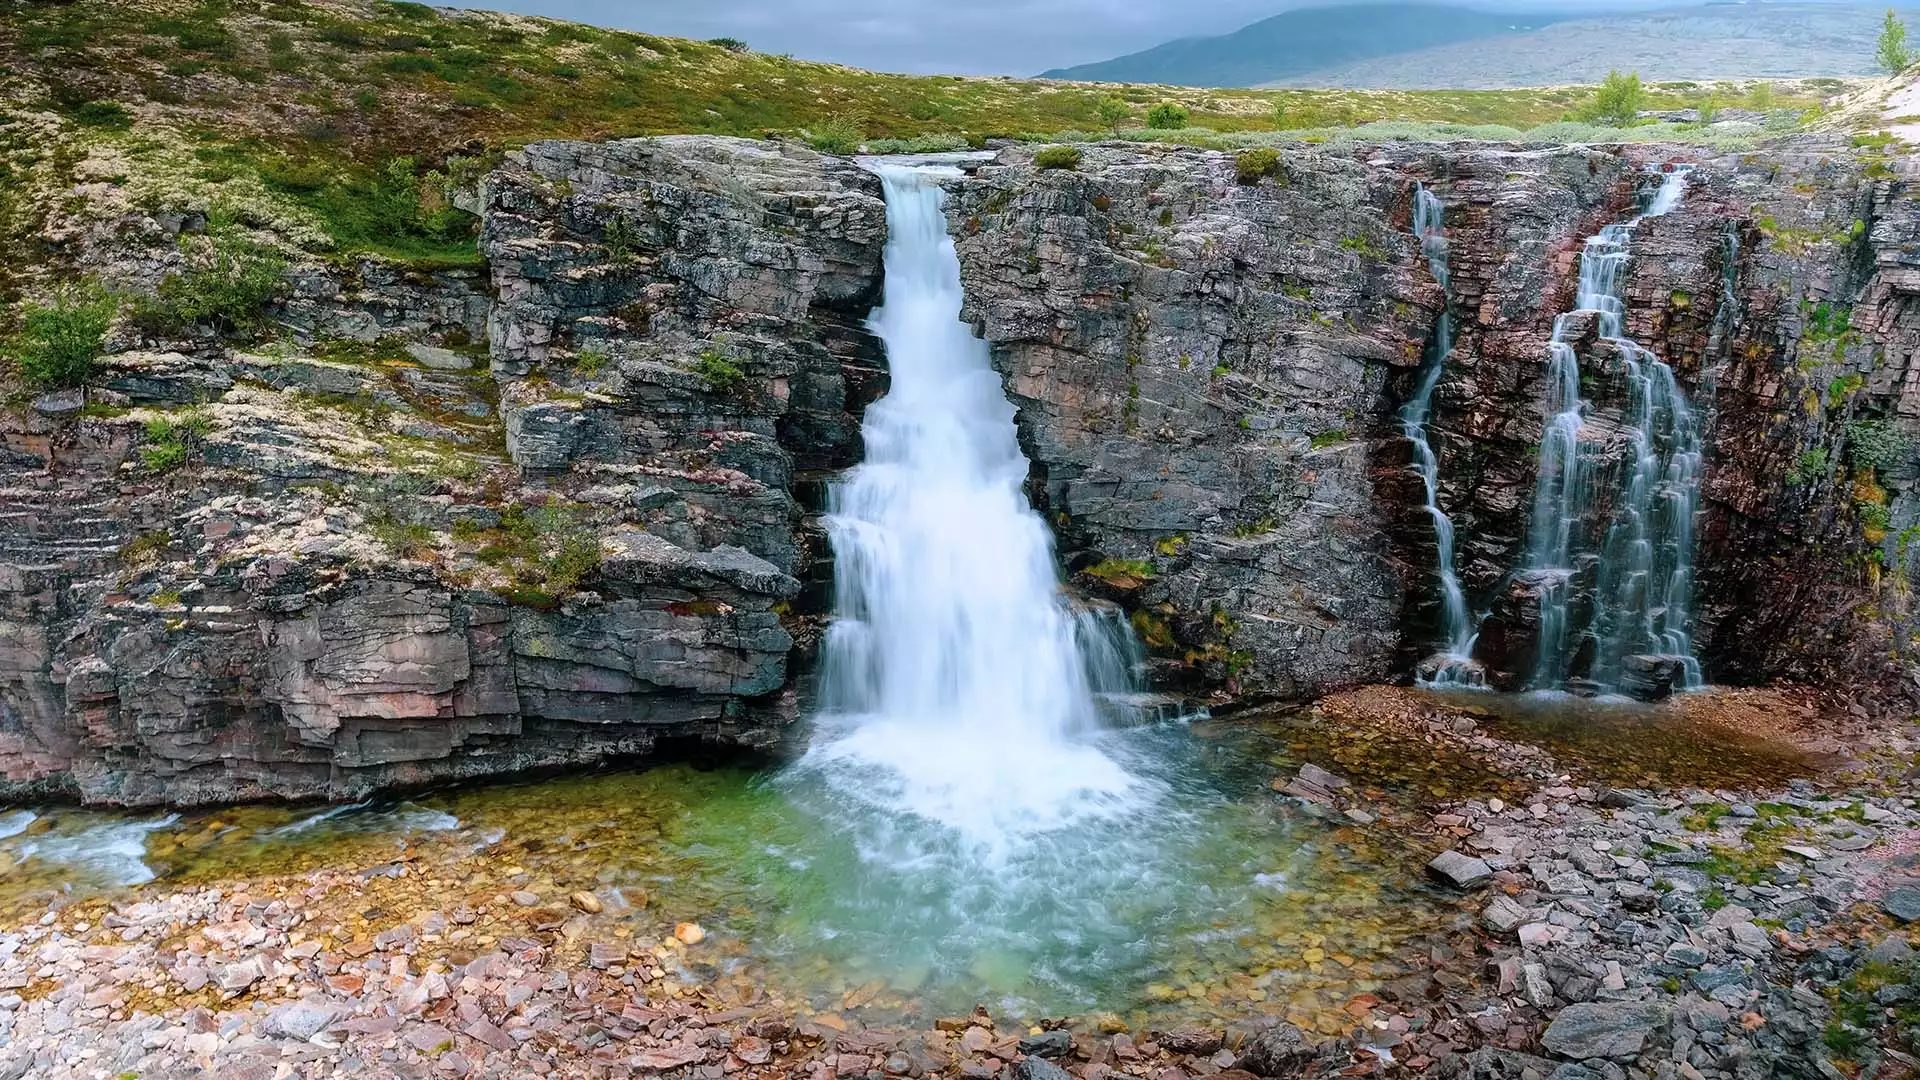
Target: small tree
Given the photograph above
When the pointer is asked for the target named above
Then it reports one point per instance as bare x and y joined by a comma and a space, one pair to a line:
1618, 100
1893, 53
1113, 112
1167, 116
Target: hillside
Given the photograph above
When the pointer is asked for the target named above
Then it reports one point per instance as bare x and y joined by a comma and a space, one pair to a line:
1304, 40
1724, 42
1429, 46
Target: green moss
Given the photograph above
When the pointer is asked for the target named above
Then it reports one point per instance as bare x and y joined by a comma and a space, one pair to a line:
1058, 157
1121, 573
1328, 438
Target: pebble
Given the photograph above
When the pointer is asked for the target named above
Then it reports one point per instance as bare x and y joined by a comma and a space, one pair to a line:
586, 902
689, 933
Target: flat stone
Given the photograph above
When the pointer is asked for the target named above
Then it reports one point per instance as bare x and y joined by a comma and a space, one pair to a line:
1902, 903
301, 1020
1463, 871
1686, 954
1603, 1029
438, 358
1048, 1044
1503, 915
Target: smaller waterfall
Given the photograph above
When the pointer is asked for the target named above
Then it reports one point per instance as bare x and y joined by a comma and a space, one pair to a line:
1636, 622
1452, 668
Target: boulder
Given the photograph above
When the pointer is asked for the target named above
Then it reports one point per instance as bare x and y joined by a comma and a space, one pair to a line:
1604, 1029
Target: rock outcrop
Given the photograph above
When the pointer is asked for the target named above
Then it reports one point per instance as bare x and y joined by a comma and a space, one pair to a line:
1209, 375
372, 562
457, 522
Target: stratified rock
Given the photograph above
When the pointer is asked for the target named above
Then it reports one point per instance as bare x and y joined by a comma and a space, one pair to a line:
1460, 870
1603, 1030
1048, 1044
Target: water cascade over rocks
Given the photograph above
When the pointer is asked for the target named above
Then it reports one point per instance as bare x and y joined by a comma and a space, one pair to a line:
1452, 666
1615, 603
957, 685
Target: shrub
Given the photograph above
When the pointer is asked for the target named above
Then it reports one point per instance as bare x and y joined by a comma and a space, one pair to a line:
60, 339
227, 288
723, 376
733, 45
1876, 445
170, 441
1619, 99
1167, 116
1251, 166
837, 135
1113, 112
1058, 157
110, 115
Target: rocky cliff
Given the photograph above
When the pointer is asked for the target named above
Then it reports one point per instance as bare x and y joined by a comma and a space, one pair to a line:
411, 523
440, 525
1210, 371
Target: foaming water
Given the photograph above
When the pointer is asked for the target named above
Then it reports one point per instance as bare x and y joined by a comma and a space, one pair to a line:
1429, 223
108, 853
1643, 562
958, 690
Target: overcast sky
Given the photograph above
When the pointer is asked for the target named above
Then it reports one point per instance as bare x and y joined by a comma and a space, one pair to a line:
961, 37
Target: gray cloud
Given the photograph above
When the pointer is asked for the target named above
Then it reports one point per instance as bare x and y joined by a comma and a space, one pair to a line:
962, 37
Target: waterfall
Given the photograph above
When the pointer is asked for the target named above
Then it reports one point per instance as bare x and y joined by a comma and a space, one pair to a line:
956, 681
1452, 668
1632, 634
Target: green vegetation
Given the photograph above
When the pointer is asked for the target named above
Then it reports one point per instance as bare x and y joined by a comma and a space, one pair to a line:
1892, 53
1058, 157
1619, 99
1876, 445
1810, 467
225, 286
548, 550
723, 376
1112, 112
1252, 166
837, 135
1328, 438
1124, 574
1168, 116
60, 339
169, 441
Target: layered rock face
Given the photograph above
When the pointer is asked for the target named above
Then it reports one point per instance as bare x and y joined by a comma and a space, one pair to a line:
1209, 374
463, 522
386, 556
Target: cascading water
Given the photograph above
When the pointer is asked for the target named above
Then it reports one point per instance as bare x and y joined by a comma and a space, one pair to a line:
956, 681
1453, 668
1636, 622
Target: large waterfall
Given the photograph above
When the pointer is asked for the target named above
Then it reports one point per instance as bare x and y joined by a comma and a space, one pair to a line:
956, 680
1452, 668
1631, 633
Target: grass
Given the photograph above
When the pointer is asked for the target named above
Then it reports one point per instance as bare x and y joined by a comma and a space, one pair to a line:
170, 441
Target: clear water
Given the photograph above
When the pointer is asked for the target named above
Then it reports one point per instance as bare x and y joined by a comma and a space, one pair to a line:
1216, 896
1429, 223
1644, 557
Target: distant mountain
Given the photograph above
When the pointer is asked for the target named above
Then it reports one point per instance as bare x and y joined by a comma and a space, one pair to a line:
1717, 41
1303, 40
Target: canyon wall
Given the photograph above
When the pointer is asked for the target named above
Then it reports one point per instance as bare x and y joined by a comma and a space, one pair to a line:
429, 523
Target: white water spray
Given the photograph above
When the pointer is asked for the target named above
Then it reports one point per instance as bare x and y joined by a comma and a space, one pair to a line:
1644, 566
956, 682
1429, 223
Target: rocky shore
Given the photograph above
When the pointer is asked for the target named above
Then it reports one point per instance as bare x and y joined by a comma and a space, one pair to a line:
1602, 931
